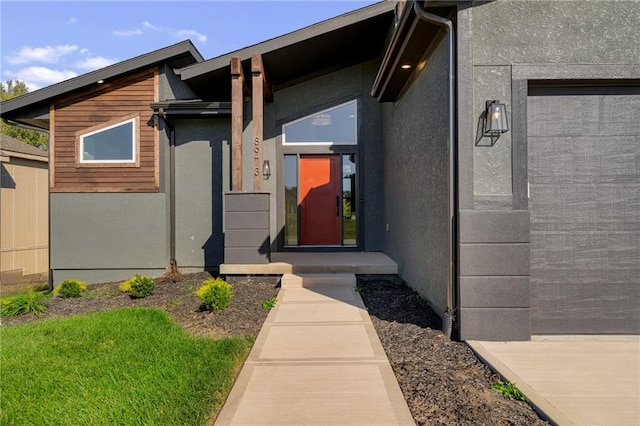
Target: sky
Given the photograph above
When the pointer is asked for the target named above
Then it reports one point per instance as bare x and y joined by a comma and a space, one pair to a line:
45, 42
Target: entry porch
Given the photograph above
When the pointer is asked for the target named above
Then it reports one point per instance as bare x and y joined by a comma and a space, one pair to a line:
316, 263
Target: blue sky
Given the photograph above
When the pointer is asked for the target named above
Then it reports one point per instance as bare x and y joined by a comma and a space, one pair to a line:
45, 42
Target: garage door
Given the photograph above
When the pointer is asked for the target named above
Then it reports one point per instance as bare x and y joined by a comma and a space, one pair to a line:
584, 176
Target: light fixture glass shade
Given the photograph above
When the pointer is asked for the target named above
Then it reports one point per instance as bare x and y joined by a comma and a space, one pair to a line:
266, 170
496, 119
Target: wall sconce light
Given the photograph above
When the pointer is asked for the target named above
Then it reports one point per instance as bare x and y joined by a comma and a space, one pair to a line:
495, 120
266, 170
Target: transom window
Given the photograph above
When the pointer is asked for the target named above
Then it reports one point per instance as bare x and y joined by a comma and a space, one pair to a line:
337, 125
113, 142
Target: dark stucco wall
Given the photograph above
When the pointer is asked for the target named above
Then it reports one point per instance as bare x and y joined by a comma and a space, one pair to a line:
510, 32
415, 139
501, 45
199, 188
106, 236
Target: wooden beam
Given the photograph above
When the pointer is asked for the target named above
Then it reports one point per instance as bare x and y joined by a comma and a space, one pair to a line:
258, 120
258, 67
237, 107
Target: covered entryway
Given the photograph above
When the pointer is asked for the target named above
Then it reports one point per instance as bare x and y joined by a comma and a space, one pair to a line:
584, 175
320, 178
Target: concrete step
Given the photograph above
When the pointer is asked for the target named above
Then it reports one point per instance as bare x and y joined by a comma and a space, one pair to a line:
317, 280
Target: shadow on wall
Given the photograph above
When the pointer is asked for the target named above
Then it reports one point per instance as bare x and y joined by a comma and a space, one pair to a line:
7, 181
214, 246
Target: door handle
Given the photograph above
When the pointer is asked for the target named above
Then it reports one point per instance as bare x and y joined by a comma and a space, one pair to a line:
338, 205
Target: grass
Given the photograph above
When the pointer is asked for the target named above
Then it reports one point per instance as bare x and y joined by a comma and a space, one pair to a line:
29, 302
131, 366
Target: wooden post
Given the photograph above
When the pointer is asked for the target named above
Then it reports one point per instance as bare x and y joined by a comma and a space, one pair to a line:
237, 107
258, 120
261, 91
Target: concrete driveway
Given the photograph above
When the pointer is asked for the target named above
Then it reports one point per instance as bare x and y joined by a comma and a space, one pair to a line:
573, 380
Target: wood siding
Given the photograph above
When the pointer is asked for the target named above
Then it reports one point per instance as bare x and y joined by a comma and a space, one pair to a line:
102, 104
24, 208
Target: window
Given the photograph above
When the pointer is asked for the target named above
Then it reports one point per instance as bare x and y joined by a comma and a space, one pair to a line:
114, 142
337, 125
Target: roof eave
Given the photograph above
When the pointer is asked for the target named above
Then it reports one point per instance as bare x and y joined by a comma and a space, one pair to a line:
315, 30
408, 47
30, 99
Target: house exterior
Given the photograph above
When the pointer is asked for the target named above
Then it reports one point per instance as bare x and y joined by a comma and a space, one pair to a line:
24, 212
369, 132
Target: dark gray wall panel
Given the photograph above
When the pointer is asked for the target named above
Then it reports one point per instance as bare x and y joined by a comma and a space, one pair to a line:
199, 237
89, 231
494, 259
584, 151
494, 292
247, 220
506, 324
247, 238
246, 202
415, 181
500, 226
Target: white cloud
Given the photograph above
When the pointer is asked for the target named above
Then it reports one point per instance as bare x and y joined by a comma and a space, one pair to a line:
72, 21
94, 63
37, 77
127, 33
202, 38
47, 54
179, 34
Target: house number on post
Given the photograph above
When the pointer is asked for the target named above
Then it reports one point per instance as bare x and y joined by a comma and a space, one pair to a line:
256, 157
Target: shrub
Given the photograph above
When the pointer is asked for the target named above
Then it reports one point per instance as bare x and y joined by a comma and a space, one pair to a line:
27, 303
71, 288
215, 294
139, 286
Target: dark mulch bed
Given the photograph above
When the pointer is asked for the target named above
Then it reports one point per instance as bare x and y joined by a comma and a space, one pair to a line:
442, 381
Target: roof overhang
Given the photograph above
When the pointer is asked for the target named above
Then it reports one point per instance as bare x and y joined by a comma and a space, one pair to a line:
33, 108
348, 39
5, 156
411, 46
191, 109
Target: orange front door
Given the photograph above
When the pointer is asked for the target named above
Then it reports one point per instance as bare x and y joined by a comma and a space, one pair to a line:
320, 200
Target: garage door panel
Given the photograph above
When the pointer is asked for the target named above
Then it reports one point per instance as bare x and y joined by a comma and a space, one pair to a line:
563, 207
623, 256
618, 115
585, 159
565, 116
568, 255
617, 208
584, 175
578, 306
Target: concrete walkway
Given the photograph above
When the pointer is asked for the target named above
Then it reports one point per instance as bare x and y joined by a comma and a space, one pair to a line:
317, 361
573, 380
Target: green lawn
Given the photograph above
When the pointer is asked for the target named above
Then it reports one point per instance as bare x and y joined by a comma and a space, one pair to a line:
127, 367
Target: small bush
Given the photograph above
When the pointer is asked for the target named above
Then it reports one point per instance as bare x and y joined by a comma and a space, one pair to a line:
27, 303
215, 294
139, 286
71, 288
125, 286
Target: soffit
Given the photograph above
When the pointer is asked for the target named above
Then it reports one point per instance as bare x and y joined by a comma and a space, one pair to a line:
348, 39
